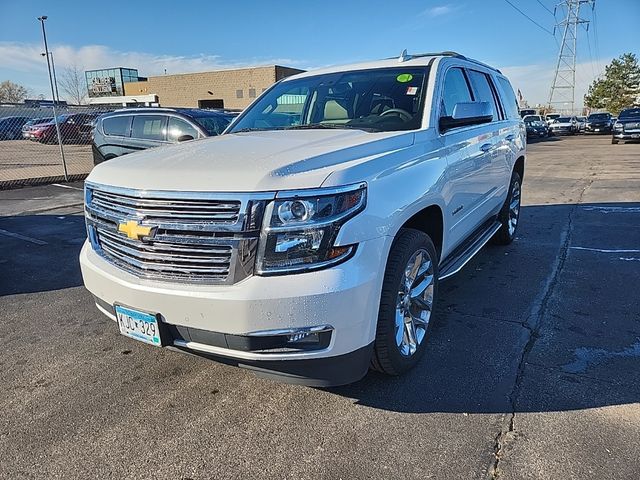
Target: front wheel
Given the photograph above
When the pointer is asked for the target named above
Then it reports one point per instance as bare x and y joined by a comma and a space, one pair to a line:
509, 216
409, 293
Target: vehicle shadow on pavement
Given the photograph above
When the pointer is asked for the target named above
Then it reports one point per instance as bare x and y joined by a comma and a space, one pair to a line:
549, 323
39, 253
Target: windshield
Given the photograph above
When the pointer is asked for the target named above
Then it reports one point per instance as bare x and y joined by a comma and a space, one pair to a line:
553, 116
563, 119
599, 116
532, 118
213, 124
631, 113
371, 100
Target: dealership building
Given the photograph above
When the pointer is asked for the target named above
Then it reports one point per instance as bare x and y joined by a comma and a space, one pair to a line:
234, 89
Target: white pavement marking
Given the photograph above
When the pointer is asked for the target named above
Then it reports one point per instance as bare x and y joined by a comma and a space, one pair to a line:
22, 237
604, 250
613, 209
67, 186
630, 259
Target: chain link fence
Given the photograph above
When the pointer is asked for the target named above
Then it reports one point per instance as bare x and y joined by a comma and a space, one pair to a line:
30, 151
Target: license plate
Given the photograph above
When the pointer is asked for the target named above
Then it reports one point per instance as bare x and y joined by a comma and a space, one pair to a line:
597, 129
138, 325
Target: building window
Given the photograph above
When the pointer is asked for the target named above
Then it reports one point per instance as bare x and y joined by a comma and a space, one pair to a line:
239, 94
252, 93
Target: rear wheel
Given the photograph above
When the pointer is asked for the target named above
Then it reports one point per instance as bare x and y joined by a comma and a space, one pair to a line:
409, 293
509, 216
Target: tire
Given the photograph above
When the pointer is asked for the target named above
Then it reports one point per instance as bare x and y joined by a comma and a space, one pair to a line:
510, 211
614, 141
393, 355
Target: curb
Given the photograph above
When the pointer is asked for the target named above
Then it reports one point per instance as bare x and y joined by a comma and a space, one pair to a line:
30, 182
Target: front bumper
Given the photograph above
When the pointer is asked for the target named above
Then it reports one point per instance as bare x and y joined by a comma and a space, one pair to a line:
626, 135
602, 129
346, 297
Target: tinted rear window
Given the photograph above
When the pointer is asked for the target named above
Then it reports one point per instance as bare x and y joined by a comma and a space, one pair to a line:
149, 127
483, 92
509, 101
118, 126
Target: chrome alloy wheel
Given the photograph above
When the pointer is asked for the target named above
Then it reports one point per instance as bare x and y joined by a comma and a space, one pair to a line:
414, 303
514, 207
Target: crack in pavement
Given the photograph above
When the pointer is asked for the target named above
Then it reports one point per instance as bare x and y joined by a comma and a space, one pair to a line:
533, 323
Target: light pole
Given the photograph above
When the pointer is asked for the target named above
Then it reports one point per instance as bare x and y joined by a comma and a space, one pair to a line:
55, 114
55, 80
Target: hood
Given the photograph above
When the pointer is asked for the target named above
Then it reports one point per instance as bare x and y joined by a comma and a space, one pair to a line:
249, 162
561, 124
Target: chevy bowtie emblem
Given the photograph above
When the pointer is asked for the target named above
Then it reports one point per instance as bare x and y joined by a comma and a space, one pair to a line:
135, 231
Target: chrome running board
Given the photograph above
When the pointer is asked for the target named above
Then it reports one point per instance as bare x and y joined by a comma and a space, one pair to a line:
467, 250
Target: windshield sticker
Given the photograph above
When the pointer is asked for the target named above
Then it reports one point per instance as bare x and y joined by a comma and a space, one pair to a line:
404, 77
412, 90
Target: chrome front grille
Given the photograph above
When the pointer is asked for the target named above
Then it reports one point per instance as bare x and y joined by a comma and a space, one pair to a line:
196, 237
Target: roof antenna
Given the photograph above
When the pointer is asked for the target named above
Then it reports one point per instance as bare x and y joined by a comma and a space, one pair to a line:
403, 56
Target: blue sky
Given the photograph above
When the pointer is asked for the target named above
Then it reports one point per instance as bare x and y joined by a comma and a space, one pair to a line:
195, 36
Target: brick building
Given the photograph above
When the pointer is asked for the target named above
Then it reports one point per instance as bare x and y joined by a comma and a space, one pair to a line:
233, 89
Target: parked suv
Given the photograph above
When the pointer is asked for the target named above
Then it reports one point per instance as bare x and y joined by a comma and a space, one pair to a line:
309, 240
598, 123
627, 126
129, 130
74, 128
11, 127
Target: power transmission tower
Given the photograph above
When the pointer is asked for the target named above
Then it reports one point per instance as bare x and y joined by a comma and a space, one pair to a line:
562, 94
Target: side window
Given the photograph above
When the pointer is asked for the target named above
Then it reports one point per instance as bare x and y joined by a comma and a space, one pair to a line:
178, 127
149, 127
483, 92
455, 91
509, 101
117, 126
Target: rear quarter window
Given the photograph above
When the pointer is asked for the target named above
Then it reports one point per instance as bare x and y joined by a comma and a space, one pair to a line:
117, 126
509, 102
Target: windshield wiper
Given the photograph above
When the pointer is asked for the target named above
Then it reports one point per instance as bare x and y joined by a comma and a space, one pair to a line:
335, 126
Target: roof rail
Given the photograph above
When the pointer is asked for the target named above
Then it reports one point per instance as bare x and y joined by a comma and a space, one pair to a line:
404, 57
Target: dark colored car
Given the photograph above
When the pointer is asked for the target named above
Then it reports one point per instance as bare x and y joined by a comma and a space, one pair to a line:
536, 126
598, 123
528, 111
11, 127
627, 127
129, 130
26, 128
74, 128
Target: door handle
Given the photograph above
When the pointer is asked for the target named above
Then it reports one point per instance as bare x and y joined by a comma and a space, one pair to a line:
486, 147
510, 138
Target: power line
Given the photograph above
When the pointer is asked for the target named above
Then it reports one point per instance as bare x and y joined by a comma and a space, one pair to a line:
529, 18
545, 7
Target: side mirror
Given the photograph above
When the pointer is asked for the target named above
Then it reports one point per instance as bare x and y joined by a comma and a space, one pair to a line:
466, 114
185, 138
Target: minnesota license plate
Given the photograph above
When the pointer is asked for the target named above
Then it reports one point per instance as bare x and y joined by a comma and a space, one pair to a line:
138, 325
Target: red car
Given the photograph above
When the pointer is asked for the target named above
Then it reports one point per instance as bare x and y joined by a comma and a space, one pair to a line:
74, 128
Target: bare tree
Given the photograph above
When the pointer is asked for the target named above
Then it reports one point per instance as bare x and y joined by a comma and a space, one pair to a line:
12, 92
73, 84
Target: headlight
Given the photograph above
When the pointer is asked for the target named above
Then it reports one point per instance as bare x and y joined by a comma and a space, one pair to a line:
300, 229
617, 126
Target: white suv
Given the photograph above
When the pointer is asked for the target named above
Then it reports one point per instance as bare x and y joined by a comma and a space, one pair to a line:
308, 241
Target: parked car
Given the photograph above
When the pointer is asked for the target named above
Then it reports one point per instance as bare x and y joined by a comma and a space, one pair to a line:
26, 128
599, 123
536, 126
130, 130
73, 128
528, 111
627, 126
551, 117
564, 126
11, 127
582, 123
308, 241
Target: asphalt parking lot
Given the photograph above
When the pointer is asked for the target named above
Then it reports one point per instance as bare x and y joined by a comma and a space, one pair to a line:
532, 373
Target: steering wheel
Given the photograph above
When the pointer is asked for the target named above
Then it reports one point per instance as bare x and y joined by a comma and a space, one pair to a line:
403, 114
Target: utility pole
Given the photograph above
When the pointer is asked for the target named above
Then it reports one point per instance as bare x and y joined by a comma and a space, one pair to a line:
563, 88
55, 114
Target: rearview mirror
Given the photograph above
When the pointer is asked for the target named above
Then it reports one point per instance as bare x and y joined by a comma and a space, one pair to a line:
184, 138
465, 114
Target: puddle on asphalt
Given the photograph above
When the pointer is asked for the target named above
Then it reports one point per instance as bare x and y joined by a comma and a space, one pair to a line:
586, 357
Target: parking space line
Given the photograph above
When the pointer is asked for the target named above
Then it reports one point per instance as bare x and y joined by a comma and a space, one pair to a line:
22, 237
604, 250
67, 186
